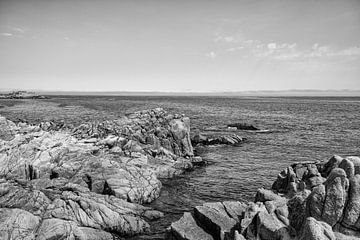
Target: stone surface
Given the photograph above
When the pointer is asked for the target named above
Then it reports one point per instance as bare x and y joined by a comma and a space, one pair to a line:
187, 229
315, 230
298, 208
85, 182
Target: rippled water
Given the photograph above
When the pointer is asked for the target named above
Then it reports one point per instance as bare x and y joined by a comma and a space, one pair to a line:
302, 128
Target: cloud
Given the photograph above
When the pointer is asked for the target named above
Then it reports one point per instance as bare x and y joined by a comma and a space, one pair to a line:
290, 51
5, 34
226, 39
17, 29
211, 55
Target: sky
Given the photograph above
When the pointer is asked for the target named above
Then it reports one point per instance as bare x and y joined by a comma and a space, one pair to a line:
179, 45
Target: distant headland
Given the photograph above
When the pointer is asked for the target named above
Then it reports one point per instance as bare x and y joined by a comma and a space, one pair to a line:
21, 95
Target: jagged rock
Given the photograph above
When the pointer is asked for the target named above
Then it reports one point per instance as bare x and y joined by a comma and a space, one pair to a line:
17, 224
263, 195
215, 220
315, 230
236, 210
336, 193
79, 182
352, 210
356, 162
214, 139
186, 228
238, 236
331, 164
348, 167
180, 129
6, 129
302, 210
267, 226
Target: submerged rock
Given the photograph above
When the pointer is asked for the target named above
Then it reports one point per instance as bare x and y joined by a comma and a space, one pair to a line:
243, 126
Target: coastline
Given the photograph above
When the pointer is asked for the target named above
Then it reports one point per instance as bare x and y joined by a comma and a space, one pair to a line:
58, 125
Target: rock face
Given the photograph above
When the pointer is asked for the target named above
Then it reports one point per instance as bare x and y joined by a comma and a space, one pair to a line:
87, 182
311, 200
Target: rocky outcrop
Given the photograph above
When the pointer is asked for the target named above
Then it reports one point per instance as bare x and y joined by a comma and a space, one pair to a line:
243, 126
204, 139
57, 209
87, 182
311, 200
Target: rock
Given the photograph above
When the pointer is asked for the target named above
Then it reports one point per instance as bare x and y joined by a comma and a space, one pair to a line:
267, 226
263, 195
331, 164
186, 228
309, 206
315, 202
352, 210
83, 182
6, 129
336, 193
236, 210
215, 220
250, 212
17, 224
216, 139
243, 126
356, 161
315, 230
238, 236
348, 167
180, 129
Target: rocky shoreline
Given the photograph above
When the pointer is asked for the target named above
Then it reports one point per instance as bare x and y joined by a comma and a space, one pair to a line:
90, 181
308, 201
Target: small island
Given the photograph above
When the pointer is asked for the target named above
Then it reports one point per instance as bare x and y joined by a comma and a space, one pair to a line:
21, 95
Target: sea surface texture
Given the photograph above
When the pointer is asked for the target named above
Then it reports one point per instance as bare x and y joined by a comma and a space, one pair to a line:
299, 129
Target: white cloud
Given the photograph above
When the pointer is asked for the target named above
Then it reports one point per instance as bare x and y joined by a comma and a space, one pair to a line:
226, 39
211, 55
66, 38
17, 29
271, 45
5, 34
290, 51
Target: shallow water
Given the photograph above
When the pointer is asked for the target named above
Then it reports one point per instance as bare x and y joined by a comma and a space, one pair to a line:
301, 129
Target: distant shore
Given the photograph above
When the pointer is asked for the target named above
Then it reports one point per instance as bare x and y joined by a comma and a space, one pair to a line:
260, 93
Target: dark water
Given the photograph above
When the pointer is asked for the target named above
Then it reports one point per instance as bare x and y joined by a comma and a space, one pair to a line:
301, 129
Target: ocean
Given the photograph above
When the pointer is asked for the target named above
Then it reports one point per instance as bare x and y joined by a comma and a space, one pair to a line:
299, 129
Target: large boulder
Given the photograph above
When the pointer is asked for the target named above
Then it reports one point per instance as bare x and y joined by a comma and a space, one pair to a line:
180, 129
315, 230
186, 228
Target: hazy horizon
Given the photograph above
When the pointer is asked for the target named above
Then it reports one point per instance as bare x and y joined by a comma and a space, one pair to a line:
180, 46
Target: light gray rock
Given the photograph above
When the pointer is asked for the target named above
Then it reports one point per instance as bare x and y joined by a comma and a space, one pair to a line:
186, 228
352, 210
18, 224
336, 194
315, 230
215, 220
